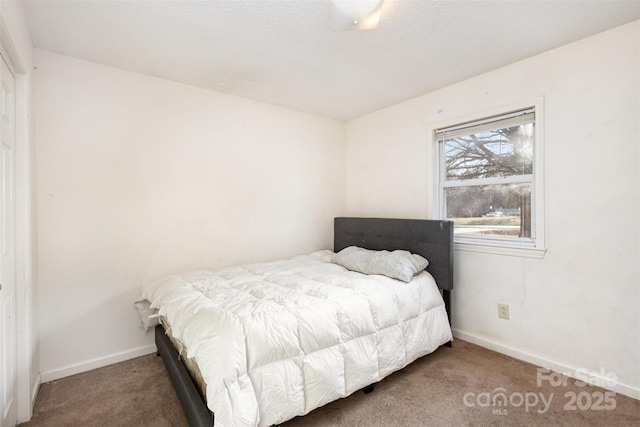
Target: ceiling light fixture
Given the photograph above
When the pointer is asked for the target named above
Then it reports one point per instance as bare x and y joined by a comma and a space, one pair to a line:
355, 14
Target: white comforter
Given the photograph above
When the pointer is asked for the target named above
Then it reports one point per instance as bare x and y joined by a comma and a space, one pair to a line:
276, 340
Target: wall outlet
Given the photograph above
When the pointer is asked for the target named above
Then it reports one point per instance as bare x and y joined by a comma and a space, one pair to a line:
503, 311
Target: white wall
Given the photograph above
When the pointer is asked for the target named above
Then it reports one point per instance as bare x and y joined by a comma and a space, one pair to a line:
578, 308
140, 177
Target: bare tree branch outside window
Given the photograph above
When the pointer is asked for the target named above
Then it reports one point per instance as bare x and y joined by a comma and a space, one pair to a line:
475, 197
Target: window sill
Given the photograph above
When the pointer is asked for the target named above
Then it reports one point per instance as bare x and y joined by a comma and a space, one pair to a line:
524, 252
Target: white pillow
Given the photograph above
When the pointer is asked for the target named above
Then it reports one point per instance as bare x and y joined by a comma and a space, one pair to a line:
401, 265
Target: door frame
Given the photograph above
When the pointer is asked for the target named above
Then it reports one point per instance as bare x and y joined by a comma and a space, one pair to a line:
28, 377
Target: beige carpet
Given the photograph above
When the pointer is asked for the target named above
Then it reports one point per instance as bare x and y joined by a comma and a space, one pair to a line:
451, 387
137, 392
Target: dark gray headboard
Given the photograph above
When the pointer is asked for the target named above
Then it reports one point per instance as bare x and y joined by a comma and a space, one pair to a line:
433, 239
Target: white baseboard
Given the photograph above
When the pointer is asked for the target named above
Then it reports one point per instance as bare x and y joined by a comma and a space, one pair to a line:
34, 391
571, 371
99, 362
26, 415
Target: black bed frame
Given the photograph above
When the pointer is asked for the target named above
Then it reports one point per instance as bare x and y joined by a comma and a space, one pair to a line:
433, 239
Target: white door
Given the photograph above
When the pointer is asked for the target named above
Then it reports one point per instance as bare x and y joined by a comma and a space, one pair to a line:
8, 409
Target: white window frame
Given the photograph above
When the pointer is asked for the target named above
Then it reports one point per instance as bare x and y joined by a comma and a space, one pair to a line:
533, 247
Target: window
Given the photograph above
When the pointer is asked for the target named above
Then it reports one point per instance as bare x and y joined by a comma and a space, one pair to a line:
489, 180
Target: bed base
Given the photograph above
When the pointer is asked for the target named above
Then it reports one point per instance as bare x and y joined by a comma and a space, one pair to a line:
195, 409
446, 297
370, 233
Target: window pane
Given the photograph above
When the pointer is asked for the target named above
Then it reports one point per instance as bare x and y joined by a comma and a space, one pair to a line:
488, 154
490, 210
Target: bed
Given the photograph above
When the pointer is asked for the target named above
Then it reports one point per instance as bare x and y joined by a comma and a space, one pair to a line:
330, 363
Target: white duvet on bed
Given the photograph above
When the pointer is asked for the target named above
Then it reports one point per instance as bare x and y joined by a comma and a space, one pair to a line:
276, 340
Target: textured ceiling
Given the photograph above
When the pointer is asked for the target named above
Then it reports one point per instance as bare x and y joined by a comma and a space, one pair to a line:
285, 52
